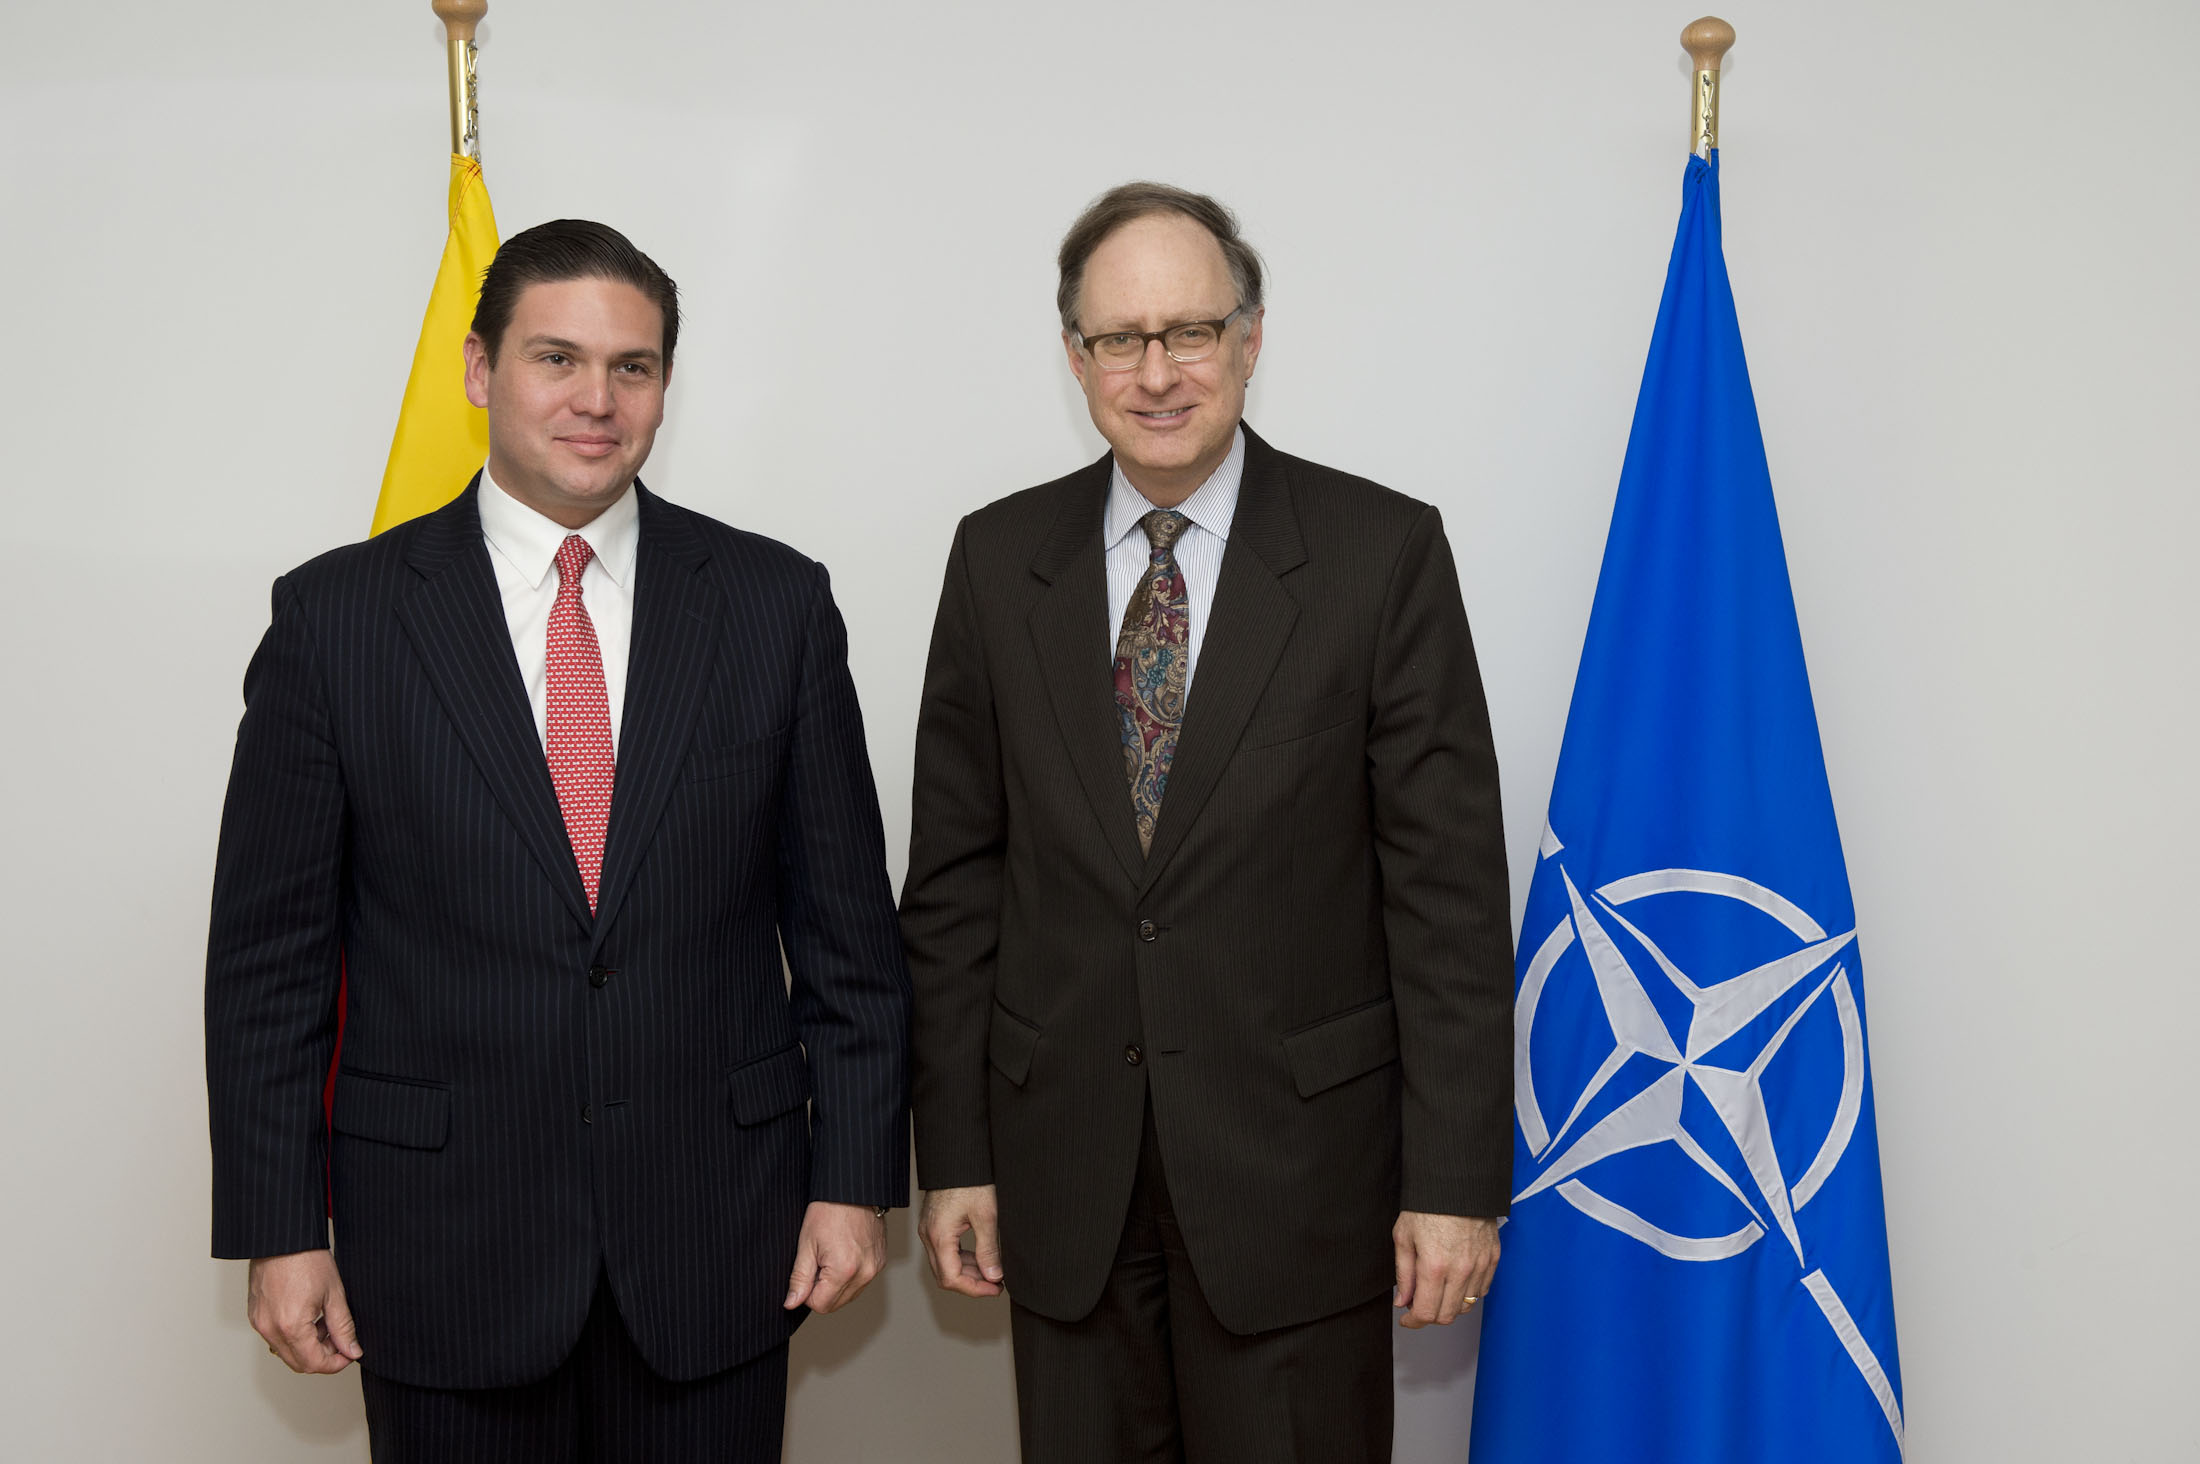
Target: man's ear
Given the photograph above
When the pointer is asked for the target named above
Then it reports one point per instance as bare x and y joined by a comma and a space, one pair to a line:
1076, 358
1252, 341
477, 370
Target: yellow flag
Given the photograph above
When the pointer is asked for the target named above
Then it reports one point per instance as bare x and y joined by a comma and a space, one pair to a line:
441, 438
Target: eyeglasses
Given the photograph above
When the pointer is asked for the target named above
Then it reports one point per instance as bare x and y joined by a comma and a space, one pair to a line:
1193, 340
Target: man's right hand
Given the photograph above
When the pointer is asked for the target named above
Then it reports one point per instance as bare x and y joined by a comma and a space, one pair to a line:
947, 1214
297, 1303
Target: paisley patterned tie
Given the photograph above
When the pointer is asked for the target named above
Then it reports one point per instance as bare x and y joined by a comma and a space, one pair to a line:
1152, 664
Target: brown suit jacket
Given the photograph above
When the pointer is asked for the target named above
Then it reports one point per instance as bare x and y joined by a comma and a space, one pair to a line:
1312, 970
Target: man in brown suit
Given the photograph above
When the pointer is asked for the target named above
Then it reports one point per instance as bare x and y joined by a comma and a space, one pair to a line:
1206, 906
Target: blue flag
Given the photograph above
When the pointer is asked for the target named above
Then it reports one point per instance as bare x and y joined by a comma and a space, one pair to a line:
1696, 1265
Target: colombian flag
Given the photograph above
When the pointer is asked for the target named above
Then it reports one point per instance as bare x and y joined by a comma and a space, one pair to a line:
441, 438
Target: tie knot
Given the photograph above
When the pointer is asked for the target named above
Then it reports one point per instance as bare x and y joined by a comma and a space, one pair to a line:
1164, 526
573, 557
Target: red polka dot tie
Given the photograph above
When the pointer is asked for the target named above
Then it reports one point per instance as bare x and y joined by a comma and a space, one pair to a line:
579, 720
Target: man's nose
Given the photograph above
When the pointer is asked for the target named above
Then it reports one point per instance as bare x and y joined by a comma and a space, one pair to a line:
592, 394
1157, 369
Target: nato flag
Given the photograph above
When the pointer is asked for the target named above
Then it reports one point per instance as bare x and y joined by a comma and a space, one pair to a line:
1696, 1264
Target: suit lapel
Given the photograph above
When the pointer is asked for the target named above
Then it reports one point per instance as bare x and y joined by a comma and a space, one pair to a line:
1070, 631
1244, 640
455, 619
675, 639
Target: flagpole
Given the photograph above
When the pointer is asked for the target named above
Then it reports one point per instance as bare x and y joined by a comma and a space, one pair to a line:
1705, 41
459, 19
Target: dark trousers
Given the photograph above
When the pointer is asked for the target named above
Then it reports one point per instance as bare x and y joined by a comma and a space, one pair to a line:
602, 1406
1150, 1377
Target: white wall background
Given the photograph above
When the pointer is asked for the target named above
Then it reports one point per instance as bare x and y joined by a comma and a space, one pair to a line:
1962, 236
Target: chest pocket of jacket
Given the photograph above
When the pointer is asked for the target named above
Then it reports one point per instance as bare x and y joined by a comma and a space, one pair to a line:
1294, 720
758, 754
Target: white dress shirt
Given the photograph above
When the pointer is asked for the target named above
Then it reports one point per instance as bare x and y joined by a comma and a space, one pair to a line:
1198, 549
523, 546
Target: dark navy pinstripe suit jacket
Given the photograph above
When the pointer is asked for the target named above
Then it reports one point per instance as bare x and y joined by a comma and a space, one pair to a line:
529, 1094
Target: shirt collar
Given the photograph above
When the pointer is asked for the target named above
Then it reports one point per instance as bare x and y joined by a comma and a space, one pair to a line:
529, 542
1211, 507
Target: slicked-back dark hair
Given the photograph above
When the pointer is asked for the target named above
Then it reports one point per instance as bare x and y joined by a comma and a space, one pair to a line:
1128, 202
568, 249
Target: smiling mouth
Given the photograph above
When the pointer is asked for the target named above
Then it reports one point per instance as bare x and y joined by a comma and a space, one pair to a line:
1169, 416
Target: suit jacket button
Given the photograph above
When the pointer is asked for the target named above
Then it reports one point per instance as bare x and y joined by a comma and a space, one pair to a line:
1147, 931
599, 975
1133, 1056
588, 1113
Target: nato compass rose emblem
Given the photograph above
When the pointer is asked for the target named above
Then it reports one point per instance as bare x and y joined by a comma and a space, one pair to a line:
1684, 1080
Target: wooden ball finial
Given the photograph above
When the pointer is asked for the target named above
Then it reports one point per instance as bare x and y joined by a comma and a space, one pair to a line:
461, 16
1706, 41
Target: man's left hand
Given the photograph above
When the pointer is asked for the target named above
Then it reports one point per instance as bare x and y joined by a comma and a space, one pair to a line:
841, 1249
1445, 1263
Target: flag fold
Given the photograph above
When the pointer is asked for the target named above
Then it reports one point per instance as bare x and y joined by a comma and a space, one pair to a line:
441, 438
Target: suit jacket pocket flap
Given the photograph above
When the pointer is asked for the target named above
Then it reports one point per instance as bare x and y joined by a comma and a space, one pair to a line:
770, 1085
392, 1110
1302, 719
1011, 1043
1343, 1047
736, 757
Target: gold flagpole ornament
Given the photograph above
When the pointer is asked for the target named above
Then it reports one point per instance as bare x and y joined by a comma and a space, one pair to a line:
459, 19
1705, 41
441, 439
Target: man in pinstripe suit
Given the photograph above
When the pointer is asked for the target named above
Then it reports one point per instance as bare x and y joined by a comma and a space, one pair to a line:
556, 775
1206, 904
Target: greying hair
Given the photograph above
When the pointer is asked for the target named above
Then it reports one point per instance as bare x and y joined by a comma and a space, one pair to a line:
1128, 202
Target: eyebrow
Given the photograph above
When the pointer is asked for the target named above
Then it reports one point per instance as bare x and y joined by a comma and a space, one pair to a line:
1134, 328
559, 343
